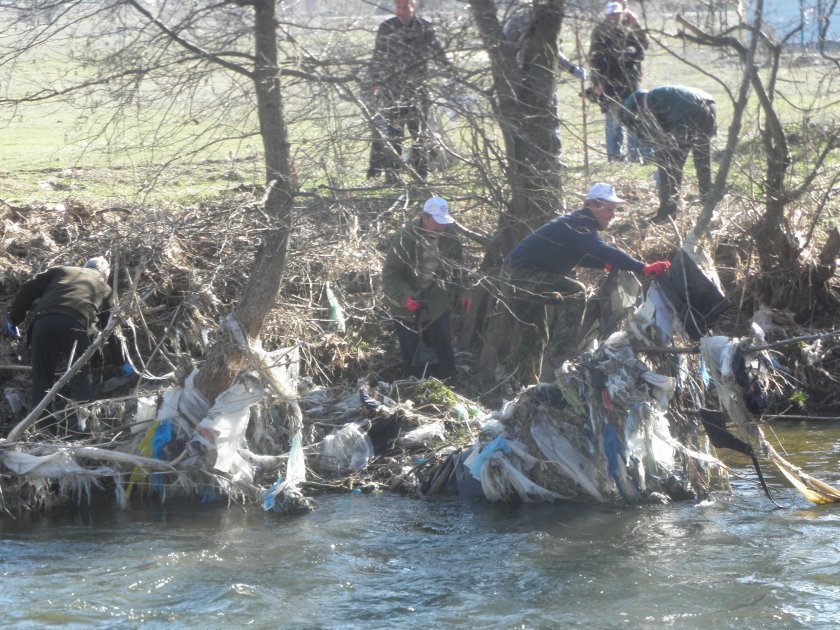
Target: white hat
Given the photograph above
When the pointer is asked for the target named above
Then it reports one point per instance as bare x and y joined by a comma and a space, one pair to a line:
100, 263
603, 192
613, 7
438, 209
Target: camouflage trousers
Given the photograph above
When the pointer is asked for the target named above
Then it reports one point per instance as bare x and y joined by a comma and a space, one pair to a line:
540, 322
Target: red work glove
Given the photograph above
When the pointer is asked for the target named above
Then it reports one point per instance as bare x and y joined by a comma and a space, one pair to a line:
412, 305
607, 267
466, 302
656, 268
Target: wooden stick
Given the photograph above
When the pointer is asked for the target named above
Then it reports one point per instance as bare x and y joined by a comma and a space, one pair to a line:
787, 342
787, 417
662, 350
583, 112
33, 415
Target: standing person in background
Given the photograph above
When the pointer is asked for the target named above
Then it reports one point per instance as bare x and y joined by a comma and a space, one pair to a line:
518, 26
674, 120
399, 72
68, 301
616, 51
422, 278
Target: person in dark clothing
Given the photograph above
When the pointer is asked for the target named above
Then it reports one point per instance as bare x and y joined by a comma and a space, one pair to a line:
68, 301
399, 71
674, 120
422, 277
518, 28
535, 274
518, 25
616, 51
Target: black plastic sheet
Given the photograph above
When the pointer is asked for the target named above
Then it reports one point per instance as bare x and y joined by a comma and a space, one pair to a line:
696, 299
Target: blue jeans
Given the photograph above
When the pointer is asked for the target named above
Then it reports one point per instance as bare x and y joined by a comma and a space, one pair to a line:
615, 134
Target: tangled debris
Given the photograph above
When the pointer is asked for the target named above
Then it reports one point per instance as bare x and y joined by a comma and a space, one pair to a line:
615, 426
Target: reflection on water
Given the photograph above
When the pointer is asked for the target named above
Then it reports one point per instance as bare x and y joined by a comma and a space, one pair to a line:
382, 560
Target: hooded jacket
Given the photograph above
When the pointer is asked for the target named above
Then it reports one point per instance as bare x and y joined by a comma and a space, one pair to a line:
680, 111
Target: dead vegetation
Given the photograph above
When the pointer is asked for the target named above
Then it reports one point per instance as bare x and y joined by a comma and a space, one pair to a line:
192, 263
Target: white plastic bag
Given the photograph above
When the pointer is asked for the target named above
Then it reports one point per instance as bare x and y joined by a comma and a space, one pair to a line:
345, 449
421, 436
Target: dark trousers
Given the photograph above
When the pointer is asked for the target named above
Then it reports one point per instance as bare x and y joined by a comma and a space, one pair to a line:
671, 155
51, 338
545, 312
387, 143
437, 335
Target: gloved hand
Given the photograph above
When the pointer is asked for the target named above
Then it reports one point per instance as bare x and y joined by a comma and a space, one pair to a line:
579, 72
607, 267
411, 304
657, 268
127, 369
11, 332
466, 302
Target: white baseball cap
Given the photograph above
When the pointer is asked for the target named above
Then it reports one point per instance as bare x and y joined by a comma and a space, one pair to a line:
603, 192
100, 263
438, 209
613, 7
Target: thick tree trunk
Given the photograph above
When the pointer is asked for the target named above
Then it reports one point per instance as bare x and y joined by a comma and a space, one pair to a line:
229, 353
525, 107
526, 111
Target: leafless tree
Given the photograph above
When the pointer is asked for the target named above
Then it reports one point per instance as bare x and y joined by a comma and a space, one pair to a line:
787, 281
175, 48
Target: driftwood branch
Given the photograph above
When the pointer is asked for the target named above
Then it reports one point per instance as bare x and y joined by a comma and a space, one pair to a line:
792, 340
788, 417
664, 350
33, 415
748, 348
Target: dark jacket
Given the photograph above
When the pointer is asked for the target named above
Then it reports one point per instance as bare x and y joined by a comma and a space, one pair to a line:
78, 292
400, 273
567, 242
680, 111
616, 52
401, 56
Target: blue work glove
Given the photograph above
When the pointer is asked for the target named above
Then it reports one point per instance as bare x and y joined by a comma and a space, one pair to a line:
127, 369
580, 72
12, 332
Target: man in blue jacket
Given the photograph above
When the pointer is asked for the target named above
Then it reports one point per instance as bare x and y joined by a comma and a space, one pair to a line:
674, 120
535, 274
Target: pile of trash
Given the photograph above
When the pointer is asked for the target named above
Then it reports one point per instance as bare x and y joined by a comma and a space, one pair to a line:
606, 430
602, 431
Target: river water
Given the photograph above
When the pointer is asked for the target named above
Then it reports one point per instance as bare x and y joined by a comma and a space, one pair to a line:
374, 561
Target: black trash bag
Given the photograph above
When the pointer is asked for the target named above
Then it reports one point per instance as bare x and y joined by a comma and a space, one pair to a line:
696, 299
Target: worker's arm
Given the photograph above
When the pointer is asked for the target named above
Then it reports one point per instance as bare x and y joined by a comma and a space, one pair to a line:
28, 293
